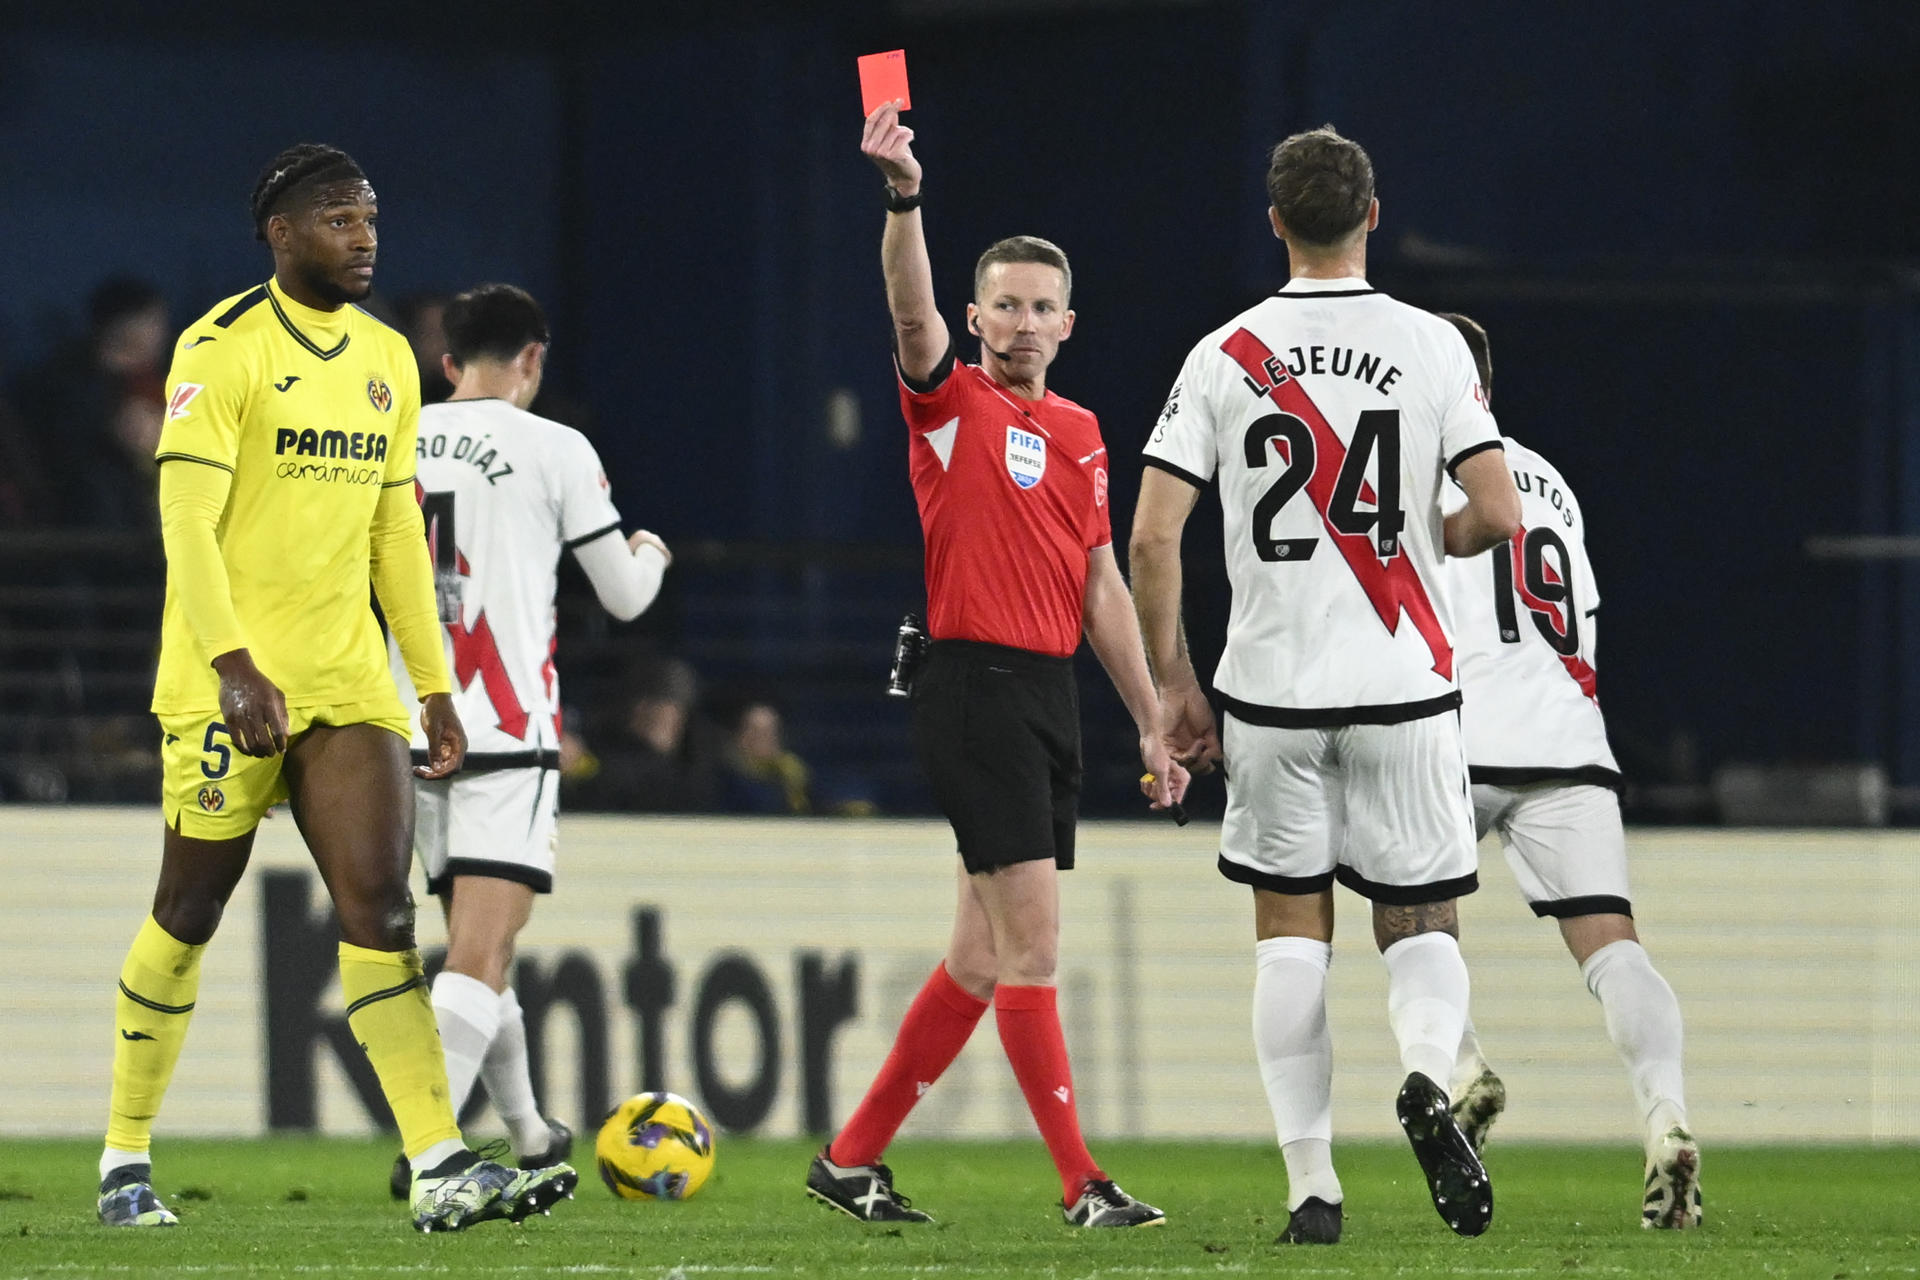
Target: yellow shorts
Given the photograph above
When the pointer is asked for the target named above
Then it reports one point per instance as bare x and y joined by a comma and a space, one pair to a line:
209, 791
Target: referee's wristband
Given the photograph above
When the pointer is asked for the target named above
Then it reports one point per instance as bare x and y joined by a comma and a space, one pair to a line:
897, 203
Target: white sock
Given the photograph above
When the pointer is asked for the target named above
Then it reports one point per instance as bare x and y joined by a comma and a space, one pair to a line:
1295, 1052
437, 1154
468, 1011
1643, 1021
509, 1080
1469, 1062
111, 1160
1427, 1002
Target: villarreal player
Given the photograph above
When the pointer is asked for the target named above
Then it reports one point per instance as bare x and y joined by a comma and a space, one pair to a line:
286, 489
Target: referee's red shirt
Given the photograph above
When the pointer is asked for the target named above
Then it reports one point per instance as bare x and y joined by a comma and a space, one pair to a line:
1013, 495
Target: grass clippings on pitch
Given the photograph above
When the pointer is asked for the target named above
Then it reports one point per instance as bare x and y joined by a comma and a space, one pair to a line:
319, 1208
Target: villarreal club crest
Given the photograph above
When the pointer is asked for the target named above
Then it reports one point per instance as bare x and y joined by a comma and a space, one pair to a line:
379, 393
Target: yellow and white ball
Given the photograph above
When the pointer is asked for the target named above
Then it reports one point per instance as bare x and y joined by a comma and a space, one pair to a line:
655, 1146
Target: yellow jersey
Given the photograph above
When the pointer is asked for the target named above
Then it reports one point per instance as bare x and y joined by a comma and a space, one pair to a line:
314, 414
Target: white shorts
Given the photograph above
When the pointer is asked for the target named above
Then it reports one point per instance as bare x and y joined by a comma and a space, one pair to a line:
1564, 842
1381, 807
503, 823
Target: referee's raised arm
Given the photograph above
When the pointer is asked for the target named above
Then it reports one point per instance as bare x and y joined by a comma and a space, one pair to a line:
920, 335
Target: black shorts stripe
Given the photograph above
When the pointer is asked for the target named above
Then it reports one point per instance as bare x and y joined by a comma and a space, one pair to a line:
1597, 904
534, 878
1408, 895
539, 793
188, 457
1389, 895
1502, 776
417, 980
245, 303
495, 761
1464, 454
1272, 883
574, 544
1335, 717
1171, 469
154, 1005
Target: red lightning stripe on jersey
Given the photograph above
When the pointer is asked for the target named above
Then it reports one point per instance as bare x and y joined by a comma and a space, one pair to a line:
477, 653
1390, 587
1582, 672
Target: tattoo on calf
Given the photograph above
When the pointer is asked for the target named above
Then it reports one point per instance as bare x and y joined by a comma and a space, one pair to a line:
1393, 924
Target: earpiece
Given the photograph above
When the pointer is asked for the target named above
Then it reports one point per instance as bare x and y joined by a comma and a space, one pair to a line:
973, 327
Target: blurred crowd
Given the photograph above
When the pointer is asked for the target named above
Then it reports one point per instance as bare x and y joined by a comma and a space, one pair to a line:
667, 746
78, 429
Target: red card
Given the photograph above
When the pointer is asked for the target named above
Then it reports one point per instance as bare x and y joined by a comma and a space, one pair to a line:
883, 77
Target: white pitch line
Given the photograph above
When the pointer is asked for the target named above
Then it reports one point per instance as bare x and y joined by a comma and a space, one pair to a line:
684, 1271
666, 1271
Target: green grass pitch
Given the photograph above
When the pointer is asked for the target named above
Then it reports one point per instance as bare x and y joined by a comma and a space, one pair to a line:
319, 1208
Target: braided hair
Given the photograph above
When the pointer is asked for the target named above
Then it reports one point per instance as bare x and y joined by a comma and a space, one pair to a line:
301, 165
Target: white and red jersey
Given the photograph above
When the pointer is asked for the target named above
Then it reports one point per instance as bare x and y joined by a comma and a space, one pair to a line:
1331, 416
1013, 496
1527, 632
503, 492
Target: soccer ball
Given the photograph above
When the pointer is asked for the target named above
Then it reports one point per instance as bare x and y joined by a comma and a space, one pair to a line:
655, 1146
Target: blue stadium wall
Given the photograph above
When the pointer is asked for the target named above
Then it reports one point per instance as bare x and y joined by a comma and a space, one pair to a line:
1622, 198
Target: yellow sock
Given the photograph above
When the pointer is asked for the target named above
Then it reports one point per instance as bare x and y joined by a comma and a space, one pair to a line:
390, 1013
158, 985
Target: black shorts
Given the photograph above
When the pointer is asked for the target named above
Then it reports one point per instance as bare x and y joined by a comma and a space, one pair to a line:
998, 733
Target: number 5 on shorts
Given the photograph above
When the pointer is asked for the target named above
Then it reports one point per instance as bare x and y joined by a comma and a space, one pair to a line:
223, 754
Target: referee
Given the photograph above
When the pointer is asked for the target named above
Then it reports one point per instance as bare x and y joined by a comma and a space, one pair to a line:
1011, 481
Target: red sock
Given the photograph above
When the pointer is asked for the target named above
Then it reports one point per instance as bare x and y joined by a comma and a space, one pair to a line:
936, 1028
1029, 1019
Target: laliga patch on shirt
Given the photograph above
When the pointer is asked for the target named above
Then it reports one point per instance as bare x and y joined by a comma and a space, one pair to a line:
182, 397
1026, 457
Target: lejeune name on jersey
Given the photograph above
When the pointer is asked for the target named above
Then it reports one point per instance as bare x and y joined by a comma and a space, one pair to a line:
1528, 614
1328, 415
503, 492
1340, 362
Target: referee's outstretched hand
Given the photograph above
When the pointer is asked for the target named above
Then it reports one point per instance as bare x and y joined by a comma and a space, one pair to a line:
889, 144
